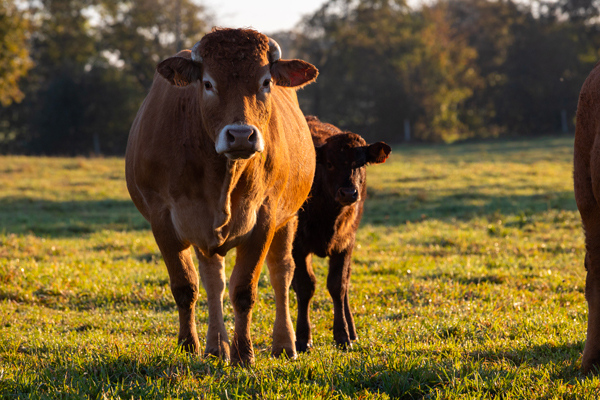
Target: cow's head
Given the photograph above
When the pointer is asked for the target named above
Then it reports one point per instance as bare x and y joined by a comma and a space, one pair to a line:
341, 164
234, 71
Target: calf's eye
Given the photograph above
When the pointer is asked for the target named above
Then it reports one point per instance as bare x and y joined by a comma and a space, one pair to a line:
329, 165
267, 83
207, 85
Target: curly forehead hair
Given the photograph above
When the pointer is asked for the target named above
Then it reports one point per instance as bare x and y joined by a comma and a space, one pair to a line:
224, 44
346, 140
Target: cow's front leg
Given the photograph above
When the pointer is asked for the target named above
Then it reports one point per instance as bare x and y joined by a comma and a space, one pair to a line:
183, 278
281, 271
243, 284
337, 284
212, 273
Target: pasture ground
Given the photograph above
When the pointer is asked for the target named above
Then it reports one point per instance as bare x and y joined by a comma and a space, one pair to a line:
467, 283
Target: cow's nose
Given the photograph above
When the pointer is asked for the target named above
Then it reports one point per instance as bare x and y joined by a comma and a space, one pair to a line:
242, 136
347, 195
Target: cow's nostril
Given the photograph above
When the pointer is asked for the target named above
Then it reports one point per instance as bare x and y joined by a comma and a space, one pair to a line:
230, 137
252, 137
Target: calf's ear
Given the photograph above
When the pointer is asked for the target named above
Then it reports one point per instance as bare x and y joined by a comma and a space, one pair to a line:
378, 152
179, 71
321, 158
293, 73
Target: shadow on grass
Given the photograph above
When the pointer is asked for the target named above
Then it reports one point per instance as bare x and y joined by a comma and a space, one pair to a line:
392, 209
540, 355
74, 218
70, 218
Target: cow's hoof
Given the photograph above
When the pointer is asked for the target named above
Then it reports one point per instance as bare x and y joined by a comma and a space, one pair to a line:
222, 352
590, 365
303, 347
285, 352
190, 346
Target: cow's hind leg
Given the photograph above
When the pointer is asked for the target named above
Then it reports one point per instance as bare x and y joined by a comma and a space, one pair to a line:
587, 191
304, 284
337, 284
183, 278
212, 273
281, 271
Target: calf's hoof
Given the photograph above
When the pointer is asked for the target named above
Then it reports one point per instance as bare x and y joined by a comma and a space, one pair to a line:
303, 347
344, 344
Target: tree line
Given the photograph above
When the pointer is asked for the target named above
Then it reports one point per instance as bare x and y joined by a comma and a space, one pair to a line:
74, 72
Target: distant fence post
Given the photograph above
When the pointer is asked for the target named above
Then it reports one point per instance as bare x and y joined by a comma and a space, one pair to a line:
563, 120
406, 130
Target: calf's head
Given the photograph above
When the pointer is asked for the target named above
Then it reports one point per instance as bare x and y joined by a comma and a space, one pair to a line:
233, 72
341, 165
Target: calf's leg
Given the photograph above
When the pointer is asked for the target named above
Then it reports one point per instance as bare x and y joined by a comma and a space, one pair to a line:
182, 277
281, 271
304, 284
212, 273
337, 284
347, 311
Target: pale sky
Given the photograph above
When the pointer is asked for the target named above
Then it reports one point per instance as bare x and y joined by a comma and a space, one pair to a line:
265, 16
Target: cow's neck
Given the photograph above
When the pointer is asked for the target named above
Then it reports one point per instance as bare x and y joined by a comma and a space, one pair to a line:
223, 215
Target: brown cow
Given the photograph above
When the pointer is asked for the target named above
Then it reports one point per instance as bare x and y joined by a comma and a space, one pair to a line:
220, 156
327, 224
586, 177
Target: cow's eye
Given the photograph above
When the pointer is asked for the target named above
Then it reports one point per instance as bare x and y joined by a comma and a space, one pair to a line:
329, 166
266, 84
207, 85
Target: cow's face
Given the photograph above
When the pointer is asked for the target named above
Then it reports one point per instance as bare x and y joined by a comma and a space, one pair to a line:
235, 71
341, 164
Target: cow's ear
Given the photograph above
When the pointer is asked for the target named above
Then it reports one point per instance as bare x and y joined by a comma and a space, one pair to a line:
293, 73
321, 157
179, 71
378, 152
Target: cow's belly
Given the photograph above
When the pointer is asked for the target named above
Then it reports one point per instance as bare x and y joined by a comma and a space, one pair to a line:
210, 229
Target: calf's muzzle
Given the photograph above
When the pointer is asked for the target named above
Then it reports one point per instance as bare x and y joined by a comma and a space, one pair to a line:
346, 195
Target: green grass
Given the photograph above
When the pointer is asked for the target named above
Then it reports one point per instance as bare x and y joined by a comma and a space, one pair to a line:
467, 283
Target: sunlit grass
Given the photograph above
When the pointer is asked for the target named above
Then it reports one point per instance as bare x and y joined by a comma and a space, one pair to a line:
467, 282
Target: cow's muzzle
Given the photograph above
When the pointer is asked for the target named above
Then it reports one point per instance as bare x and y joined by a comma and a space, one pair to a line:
239, 141
346, 195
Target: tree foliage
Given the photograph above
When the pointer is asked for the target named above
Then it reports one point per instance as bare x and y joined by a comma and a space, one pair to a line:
14, 54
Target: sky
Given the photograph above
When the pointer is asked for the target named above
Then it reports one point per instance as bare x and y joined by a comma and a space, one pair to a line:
265, 16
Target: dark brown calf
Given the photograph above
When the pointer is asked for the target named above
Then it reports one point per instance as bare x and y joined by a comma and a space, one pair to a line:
328, 221
586, 176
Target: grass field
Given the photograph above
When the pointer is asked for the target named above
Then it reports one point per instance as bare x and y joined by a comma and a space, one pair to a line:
467, 283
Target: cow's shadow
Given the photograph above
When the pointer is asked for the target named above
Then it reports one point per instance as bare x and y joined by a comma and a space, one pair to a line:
47, 218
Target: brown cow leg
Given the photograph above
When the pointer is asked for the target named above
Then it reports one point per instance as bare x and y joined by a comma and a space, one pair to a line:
304, 284
183, 279
243, 286
591, 352
337, 284
281, 271
212, 273
349, 317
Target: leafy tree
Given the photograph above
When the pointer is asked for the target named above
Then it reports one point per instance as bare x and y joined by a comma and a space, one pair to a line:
14, 54
382, 64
